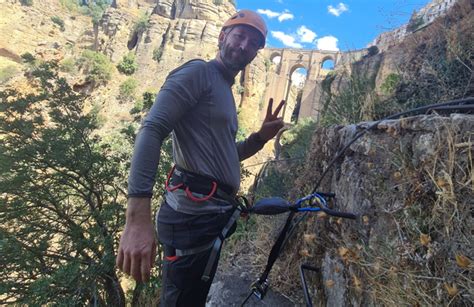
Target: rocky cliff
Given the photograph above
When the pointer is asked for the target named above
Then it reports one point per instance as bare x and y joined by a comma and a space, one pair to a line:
410, 182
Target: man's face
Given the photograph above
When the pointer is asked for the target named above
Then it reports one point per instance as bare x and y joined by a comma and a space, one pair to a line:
238, 46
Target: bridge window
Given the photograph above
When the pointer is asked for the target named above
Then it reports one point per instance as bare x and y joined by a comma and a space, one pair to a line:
328, 64
276, 59
298, 79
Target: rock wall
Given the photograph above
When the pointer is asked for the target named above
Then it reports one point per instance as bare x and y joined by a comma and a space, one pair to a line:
410, 182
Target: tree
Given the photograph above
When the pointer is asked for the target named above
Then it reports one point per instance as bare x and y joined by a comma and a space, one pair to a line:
61, 199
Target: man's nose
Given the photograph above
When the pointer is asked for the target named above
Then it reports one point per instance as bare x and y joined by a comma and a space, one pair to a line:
244, 45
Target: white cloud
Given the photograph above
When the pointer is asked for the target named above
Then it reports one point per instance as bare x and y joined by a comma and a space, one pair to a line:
305, 35
282, 16
287, 40
336, 11
327, 43
286, 15
268, 13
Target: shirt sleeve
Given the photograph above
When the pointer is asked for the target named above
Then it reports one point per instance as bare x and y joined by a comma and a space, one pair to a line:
180, 92
249, 146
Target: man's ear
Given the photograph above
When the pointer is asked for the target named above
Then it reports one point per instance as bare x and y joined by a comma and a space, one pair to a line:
221, 37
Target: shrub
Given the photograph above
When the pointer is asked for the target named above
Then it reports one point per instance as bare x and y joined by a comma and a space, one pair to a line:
28, 58
128, 65
390, 84
7, 72
97, 66
68, 65
128, 89
157, 53
148, 100
57, 20
142, 24
26, 2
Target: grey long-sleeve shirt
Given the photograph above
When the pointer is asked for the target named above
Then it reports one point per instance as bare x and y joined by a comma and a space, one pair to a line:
196, 105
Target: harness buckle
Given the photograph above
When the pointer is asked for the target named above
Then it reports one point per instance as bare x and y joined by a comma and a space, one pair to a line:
259, 288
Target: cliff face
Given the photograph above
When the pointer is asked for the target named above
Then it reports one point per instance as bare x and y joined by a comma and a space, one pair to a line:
410, 182
160, 34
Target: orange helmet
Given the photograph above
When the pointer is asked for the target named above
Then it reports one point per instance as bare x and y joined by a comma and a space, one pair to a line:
249, 18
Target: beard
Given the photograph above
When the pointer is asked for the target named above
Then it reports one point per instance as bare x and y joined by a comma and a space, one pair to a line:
231, 61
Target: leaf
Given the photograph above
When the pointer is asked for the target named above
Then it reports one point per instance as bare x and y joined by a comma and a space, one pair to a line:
304, 252
357, 283
425, 239
463, 261
330, 283
452, 289
309, 238
365, 219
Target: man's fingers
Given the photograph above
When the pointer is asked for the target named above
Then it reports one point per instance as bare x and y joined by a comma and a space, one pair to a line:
145, 268
126, 264
135, 268
278, 109
269, 109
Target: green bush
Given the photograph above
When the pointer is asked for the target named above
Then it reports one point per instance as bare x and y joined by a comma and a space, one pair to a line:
57, 20
128, 89
157, 53
68, 65
390, 84
148, 100
128, 65
28, 58
26, 2
142, 24
97, 67
7, 72
297, 140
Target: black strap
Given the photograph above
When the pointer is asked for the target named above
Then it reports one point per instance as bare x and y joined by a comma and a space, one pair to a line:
198, 183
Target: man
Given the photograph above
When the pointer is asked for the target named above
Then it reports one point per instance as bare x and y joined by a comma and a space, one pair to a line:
196, 104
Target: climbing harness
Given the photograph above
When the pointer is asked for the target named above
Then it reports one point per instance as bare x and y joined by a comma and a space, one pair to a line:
259, 288
200, 188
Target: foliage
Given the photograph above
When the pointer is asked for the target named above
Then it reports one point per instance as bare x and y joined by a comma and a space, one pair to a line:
296, 141
390, 84
68, 65
239, 89
94, 8
61, 204
218, 2
128, 65
28, 58
7, 72
97, 67
128, 89
157, 54
58, 20
346, 106
26, 2
142, 24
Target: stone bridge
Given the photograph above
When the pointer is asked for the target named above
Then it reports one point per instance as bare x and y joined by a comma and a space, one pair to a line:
280, 85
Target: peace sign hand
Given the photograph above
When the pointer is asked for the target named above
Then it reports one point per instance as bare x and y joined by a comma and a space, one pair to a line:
272, 123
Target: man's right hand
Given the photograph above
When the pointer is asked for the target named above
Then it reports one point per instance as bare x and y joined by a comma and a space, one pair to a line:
137, 248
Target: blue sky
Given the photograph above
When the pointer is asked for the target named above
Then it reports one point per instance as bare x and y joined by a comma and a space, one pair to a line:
330, 24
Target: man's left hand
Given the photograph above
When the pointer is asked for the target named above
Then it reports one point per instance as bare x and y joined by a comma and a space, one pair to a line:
272, 123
